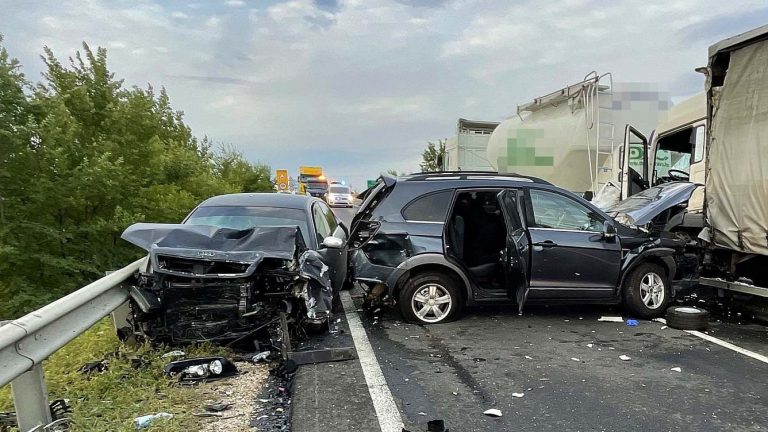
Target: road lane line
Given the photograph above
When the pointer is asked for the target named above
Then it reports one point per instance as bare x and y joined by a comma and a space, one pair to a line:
722, 343
729, 345
383, 402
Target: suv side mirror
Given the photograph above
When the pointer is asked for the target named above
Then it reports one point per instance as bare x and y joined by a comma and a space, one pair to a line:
609, 231
333, 242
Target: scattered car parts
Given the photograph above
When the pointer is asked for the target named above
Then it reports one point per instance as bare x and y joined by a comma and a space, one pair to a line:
201, 369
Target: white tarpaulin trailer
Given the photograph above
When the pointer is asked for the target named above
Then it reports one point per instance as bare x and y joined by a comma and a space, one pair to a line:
736, 200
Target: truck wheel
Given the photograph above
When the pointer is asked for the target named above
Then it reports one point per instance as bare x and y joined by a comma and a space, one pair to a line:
687, 318
646, 291
430, 298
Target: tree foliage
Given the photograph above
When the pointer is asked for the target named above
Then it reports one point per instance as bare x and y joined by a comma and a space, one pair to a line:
82, 157
432, 157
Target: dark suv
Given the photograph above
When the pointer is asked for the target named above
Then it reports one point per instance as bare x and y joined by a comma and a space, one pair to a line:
436, 242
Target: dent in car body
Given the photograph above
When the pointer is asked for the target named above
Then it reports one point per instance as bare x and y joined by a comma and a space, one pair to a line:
206, 283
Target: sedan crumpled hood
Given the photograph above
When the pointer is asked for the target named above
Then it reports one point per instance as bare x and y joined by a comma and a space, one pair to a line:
210, 243
641, 208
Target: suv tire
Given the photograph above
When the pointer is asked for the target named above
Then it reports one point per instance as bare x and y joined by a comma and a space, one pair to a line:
646, 291
430, 298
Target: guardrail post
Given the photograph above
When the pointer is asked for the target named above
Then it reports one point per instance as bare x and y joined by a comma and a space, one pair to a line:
30, 397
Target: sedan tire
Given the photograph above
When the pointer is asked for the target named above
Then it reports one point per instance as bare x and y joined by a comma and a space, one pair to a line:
646, 291
430, 298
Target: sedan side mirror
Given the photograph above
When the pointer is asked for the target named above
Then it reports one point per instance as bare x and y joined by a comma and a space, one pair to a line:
609, 231
333, 242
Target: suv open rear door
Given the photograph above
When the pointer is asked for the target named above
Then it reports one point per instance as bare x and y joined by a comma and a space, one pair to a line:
518, 248
633, 159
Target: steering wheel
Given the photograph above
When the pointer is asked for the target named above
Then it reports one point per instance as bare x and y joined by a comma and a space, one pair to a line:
678, 175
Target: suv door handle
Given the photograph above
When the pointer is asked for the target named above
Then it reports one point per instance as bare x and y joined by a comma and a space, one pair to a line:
546, 244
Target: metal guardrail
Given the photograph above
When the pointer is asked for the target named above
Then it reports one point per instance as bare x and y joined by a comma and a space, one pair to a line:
27, 341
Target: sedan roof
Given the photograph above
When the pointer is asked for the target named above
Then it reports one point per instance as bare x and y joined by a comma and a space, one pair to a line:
259, 200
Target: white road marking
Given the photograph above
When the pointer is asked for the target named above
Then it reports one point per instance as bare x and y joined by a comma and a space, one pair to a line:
383, 402
729, 345
722, 343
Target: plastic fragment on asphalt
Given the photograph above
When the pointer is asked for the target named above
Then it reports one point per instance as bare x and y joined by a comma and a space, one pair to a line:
575, 359
663, 327
625, 357
529, 357
493, 412
633, 322
590, 345
677, 369
422, 413
518, 395
615, 319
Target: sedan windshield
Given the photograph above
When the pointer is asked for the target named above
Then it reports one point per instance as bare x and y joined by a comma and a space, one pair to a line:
241, 218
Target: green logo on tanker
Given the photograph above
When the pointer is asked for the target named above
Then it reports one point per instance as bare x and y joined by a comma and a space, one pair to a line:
522, 151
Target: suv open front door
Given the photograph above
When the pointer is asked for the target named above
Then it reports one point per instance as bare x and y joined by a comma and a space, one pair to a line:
518, 248
633, 159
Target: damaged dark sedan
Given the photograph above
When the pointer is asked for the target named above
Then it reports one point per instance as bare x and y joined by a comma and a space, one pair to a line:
435, 242
234, 264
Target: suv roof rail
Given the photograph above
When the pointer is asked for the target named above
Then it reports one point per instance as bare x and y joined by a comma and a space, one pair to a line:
466, 175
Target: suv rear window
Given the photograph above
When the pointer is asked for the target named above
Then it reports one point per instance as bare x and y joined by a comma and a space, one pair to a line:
432, 207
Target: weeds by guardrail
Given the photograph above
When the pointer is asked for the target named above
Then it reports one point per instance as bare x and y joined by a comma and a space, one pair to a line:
27, 341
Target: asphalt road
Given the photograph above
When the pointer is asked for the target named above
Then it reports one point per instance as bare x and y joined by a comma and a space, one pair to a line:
554, 368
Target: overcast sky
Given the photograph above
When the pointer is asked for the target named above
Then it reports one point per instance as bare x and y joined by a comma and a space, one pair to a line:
360, 86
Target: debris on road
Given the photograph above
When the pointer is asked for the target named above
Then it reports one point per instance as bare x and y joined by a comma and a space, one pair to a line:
518, 395
625, 357
575, 359
615, 319
687, 318
633, 322
261, 357
589, 345
493, 412
175, 353
217, 406
147, 420
99, 366
200, 369
677, 369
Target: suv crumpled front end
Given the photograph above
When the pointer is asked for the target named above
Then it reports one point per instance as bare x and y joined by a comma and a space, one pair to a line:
205, 283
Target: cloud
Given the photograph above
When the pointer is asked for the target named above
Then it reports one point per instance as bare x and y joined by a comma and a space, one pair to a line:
358, 86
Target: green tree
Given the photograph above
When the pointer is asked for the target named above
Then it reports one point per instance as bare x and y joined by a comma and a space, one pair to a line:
242, 175
432, 157
83, 157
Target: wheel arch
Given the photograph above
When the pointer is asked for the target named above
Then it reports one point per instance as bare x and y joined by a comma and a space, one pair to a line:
660, 256
426, 263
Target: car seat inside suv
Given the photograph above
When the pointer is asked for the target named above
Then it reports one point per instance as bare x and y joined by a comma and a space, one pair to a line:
477, 235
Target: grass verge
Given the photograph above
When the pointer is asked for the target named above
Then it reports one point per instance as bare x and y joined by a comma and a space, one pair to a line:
109, 401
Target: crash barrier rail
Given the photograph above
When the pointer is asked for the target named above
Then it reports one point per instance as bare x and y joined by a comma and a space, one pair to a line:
27, 341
